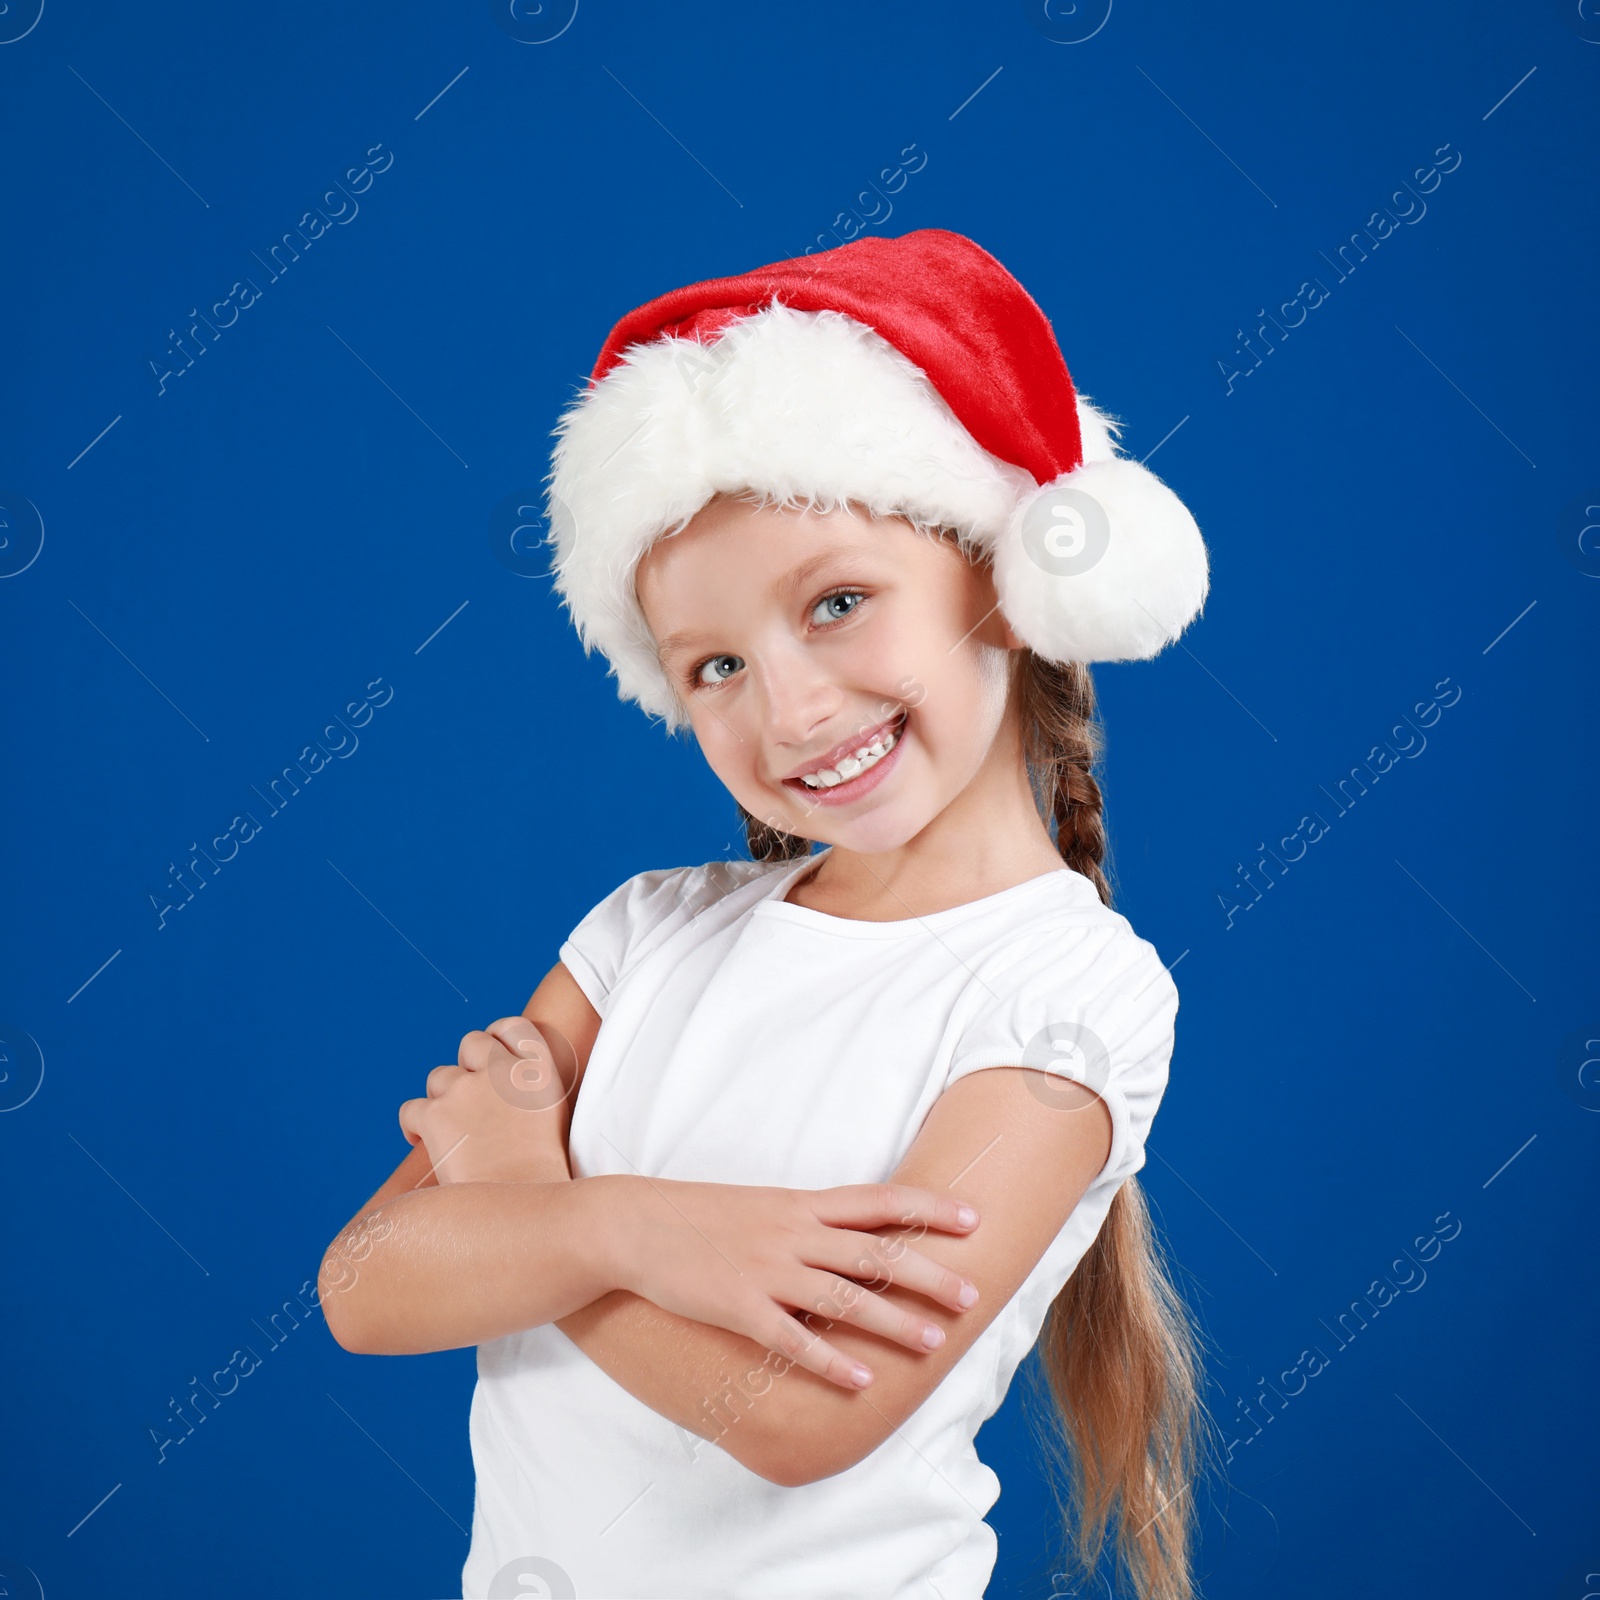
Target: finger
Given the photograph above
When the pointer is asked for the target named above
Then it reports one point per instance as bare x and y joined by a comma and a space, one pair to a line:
440, 1079
475, 1050
542, 1066
410, 1111
878, 1205
836, 1299
798, 1343
876, 1263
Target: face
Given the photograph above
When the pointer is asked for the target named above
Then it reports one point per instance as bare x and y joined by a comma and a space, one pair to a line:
846, 677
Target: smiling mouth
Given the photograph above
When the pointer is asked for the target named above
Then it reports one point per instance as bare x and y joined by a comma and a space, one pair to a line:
861, 760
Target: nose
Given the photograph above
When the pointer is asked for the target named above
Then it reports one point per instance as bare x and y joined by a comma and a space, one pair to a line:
797, 696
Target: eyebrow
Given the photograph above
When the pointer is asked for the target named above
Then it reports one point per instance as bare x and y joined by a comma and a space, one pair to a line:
793, 581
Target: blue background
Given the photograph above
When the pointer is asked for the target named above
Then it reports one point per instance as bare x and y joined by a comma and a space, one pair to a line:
1394, 1031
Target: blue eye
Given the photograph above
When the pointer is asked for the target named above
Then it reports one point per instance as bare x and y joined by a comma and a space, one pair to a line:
831, 607
717, 670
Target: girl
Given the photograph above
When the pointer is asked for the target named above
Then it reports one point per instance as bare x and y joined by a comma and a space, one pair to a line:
850, 1130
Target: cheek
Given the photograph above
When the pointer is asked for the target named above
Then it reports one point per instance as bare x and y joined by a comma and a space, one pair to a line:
728, 748
964, 691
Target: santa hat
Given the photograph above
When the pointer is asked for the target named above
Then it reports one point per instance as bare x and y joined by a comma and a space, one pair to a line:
912, 377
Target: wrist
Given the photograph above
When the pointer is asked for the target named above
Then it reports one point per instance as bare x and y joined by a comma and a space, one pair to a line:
610, 1205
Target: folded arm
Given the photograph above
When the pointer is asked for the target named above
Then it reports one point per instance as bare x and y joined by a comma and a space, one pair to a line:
428, 1267
1023, 1159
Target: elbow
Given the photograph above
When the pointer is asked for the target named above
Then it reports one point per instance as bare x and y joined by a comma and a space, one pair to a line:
340, 1309
793, 1465
796, 1450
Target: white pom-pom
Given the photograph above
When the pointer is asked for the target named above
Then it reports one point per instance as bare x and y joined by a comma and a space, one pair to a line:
1104, 564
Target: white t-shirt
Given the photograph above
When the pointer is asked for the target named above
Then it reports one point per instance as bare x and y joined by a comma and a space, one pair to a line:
746, 1040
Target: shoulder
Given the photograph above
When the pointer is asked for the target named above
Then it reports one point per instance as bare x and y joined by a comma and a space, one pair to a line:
651, 899
644, 912
1064, 960
1066, 934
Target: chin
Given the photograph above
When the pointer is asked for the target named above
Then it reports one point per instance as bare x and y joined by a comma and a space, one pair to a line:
875, 834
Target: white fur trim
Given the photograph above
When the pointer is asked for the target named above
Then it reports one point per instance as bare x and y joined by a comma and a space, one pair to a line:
813, 409
1104, 564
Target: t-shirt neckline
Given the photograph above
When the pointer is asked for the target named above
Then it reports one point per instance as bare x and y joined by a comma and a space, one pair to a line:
774, 904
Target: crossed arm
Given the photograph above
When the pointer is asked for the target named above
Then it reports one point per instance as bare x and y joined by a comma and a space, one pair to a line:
1022, 1159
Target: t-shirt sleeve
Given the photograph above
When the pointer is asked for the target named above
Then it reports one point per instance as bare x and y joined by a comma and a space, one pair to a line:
596, 952
1091, 1004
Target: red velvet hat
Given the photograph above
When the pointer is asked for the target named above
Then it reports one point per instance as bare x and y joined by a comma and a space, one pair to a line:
911, 376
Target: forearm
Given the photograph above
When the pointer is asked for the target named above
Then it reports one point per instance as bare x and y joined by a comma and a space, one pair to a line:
720, 1385
443, 1267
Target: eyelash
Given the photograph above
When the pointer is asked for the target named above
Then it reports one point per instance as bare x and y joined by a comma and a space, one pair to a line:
698, 686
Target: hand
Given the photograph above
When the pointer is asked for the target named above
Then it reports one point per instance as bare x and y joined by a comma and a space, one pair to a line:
500, 1114
736, 1256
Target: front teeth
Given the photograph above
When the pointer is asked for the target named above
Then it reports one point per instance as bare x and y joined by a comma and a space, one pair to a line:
853, 765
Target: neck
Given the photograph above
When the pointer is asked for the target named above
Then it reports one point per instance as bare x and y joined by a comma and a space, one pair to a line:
989, 838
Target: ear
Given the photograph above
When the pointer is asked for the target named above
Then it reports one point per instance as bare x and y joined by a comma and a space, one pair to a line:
1009, 635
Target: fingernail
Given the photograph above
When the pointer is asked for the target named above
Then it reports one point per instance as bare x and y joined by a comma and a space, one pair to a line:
860, 1377
966, 1216
932, 1337
968, 1296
